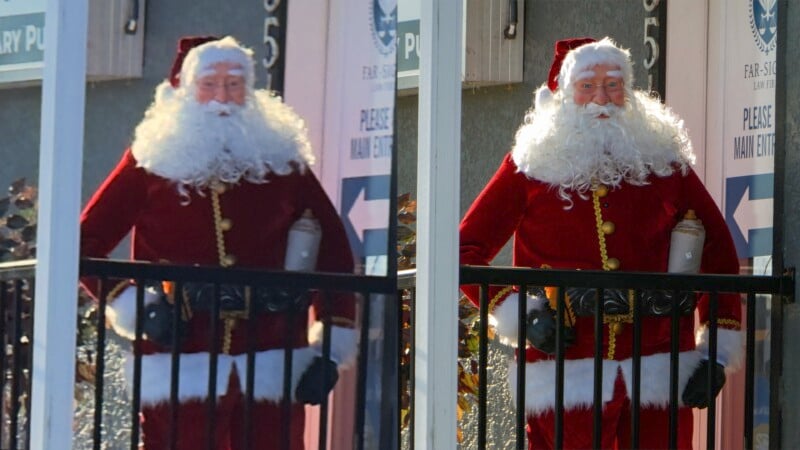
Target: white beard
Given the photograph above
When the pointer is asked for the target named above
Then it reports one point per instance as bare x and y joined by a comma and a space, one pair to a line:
569, 147
195, 145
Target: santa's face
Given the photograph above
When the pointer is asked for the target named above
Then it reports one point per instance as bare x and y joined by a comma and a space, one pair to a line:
223, 83
600, 85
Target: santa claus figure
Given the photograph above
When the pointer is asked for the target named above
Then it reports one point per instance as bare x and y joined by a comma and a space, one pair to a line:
216, 175
598, 177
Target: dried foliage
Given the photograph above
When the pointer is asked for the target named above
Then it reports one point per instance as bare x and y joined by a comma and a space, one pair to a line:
18, 214
468, 324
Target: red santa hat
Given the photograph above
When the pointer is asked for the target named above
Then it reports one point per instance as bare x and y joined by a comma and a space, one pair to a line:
574, 57
196, 54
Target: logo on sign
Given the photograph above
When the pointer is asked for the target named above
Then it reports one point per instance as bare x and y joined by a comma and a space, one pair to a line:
764, 23
383, 22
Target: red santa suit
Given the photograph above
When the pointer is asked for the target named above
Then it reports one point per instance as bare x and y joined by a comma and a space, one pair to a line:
234, 221
560, 222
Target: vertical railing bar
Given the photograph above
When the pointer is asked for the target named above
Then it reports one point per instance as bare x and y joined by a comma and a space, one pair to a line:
174, 375
597, 404
251, 301
522, 309
325, 316
213, 355
483, 362
411, 369
3, 368
13, 432
749, 371
636, 369
288, 395
673, 370
29, 364
363, 352
713, 310
559, 410
137, 365
100, 364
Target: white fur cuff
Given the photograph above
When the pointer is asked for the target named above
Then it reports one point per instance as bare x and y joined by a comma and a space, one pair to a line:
344, 343
506, 316
730, 346
121, 313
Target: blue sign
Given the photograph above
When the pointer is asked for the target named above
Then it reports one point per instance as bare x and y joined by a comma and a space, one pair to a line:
365, 213
748, 213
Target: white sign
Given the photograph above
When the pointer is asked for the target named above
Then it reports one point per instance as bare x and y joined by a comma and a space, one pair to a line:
21, 39
749, 124
359, 131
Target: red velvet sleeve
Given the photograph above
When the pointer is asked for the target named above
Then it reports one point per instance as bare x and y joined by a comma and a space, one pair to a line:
111, 213
719, 252
335, 254
491, 220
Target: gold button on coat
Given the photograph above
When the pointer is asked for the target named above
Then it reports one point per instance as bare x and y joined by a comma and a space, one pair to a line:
608, 227
602, 190
612, 263
218, 187
225, 224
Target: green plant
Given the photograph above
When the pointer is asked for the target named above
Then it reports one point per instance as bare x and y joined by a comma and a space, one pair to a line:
468, 324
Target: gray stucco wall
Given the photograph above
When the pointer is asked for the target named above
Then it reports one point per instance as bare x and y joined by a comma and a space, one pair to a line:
790, 395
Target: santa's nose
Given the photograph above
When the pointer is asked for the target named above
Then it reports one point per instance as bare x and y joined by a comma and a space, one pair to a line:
221, 95
600, 97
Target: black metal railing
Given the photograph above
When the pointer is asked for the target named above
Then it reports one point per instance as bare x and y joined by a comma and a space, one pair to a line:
16, 327
371, 294
775, 289
326, 285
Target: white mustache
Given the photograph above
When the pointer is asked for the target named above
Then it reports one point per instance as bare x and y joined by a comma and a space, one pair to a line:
220, 109
594, 110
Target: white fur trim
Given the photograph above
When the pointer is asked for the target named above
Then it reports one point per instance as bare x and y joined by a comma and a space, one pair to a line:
543, 96
540, 381
121, 312
344, 343
164, 92
506, 316
194, 373
730, 346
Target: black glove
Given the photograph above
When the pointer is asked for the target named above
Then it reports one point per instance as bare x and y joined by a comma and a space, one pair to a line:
157, 323
695, 394
541, 330
312, 389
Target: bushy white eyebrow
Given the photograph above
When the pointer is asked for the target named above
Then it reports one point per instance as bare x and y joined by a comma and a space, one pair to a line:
584, 75
236, 72
614, 73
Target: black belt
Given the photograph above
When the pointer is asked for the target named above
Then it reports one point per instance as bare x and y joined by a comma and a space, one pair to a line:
654, 302
237, 298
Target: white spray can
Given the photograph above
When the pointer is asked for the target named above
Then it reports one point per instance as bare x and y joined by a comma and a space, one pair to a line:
686, 245
302, 246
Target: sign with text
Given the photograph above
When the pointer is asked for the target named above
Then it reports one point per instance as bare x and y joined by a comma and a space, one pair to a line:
359, 137
21, 40
749, 124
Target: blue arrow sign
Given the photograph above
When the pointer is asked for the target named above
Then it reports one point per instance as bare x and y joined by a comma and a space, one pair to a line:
748, 213
365, 213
